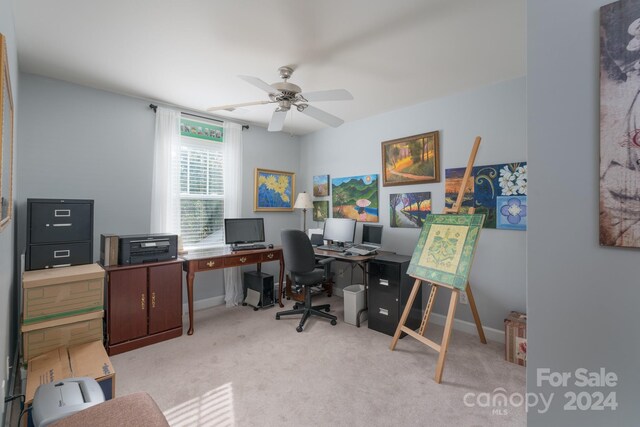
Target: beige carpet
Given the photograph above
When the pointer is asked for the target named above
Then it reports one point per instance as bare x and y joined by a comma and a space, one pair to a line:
244, 368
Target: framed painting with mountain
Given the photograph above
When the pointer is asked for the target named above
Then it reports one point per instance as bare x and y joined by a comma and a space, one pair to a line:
355, 197
274, 191
411, 160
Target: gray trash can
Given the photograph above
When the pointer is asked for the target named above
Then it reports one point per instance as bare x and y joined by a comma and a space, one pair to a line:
353, 303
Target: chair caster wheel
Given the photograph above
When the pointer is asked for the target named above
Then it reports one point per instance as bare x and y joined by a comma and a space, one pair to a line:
244, 303
295, 306
327, 310
277, 317
329, 295
334, 323
299, 329
255, 308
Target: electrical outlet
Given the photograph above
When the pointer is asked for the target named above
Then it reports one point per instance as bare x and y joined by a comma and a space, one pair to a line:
463, 298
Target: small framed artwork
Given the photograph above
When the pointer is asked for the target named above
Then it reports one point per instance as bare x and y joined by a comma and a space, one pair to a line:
274, 191
320, 210
445, 249
409, 210
320, 185
411, 160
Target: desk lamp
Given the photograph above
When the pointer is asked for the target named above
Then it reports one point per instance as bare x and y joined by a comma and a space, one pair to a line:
303, 202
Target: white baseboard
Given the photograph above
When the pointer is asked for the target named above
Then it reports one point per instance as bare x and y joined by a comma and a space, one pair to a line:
469, 327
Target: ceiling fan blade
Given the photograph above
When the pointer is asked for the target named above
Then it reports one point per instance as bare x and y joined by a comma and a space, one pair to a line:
328, 95
260, 84
232, 107
323, 116
277, 120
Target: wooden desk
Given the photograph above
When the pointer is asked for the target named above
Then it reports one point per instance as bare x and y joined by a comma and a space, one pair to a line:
355, 260
215, 259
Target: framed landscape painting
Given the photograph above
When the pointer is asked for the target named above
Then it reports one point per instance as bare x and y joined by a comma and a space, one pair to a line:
445, 249
411, 160
355, 197
320, 210
409, 210
274, 191
320, 185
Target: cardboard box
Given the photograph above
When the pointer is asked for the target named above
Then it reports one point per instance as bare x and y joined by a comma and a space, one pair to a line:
84, 360
515, 340
39, 338
60, 292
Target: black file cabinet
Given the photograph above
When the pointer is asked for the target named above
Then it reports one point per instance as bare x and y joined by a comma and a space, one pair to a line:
59, 233
389, 289
261, 283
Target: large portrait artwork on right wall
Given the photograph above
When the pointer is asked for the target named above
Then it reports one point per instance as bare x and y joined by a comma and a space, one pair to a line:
620, 124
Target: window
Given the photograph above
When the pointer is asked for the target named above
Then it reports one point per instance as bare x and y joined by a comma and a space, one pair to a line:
201, 184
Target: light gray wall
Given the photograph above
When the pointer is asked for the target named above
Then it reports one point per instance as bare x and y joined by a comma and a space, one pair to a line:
9, 270
582, 298
497, 114
79, 142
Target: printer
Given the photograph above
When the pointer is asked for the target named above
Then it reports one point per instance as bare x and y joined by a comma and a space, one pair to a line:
57, 400
141, 248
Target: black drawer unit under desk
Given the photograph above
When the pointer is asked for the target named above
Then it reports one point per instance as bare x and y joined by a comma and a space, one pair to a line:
59, 233
389, 289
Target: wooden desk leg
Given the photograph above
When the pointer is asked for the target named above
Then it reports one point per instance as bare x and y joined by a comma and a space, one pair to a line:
190, 277
281, 280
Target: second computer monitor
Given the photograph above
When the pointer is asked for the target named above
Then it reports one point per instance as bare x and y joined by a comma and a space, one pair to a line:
372, 234
339, 230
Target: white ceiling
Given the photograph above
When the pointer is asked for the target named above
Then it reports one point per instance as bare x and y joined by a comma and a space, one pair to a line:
388, 54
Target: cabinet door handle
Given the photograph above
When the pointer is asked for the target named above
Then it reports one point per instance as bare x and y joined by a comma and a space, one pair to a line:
383, 311
153, 300
142, 302
384, 282
270, 256
243, 260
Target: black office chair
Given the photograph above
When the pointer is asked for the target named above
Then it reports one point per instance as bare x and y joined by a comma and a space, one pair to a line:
300, 260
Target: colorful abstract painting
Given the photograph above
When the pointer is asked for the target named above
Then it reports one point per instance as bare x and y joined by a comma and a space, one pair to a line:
620, 124
408, 210
355, 197
486, 185
274, 190
445, 249
320, 210
321, 185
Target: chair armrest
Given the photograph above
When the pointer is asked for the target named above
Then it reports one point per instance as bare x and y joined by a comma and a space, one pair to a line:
323, 261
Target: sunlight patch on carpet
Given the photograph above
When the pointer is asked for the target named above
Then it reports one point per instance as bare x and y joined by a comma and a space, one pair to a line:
215, 407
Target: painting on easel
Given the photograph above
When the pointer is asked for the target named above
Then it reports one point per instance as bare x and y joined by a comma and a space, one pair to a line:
445, 249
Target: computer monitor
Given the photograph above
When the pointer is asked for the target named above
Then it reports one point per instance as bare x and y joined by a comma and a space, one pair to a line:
243, 230
372, 234
339, 230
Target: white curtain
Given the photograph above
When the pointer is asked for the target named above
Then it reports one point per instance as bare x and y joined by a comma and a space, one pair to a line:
232, 203
165, 197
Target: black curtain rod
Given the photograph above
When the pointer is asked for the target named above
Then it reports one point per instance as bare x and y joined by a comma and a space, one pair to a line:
155, 109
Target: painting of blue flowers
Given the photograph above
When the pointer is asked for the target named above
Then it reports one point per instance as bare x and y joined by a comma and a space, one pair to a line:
494, 187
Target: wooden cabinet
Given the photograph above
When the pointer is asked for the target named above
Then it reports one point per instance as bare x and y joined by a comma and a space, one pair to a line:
144, 304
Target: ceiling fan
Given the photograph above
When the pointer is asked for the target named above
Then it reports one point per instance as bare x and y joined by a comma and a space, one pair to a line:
286, 95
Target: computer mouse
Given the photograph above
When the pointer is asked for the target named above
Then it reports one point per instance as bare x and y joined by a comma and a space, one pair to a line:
270, 246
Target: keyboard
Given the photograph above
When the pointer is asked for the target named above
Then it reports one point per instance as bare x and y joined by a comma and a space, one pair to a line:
363, 249
248, 247
332, 248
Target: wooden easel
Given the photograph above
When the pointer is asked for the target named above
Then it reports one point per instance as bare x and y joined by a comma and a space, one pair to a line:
444, 345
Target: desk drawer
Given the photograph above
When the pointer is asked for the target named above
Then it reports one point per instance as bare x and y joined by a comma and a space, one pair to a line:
269, 256
245, 259
210, 264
